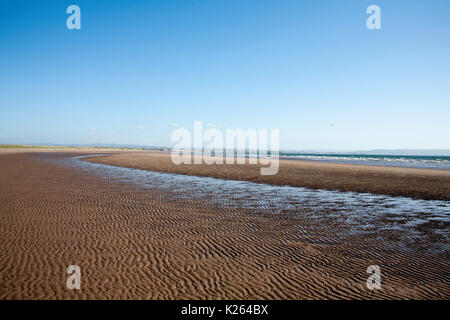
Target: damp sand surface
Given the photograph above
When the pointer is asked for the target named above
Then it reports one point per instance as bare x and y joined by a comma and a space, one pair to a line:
140, 234
419, 183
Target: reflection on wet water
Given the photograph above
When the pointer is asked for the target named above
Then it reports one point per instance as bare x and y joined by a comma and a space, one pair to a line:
360, 212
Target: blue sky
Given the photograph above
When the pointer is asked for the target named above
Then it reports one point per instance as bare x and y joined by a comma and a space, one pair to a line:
137, 68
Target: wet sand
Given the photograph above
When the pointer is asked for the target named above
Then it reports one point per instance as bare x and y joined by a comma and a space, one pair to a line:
138, 242
417, 183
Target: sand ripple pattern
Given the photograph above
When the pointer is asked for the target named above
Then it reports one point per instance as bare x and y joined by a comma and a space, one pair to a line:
142, 235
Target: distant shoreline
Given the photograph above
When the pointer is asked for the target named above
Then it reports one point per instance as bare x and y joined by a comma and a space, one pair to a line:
49, 147
394, 159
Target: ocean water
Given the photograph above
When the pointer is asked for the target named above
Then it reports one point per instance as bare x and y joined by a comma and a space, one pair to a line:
433, 162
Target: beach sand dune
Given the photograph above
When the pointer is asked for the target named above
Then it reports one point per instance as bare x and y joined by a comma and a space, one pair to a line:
132, 243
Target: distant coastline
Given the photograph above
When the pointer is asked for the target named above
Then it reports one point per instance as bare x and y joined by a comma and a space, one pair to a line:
414, 158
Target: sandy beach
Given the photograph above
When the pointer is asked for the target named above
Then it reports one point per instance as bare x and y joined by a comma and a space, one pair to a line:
136, 241
396, 181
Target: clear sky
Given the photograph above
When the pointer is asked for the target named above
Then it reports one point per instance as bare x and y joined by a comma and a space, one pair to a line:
312, 69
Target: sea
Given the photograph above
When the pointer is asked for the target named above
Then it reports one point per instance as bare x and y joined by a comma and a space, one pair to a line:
415, 161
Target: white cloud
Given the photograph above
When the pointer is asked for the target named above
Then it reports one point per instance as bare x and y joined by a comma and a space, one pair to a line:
92, 129
140, 127
3, 137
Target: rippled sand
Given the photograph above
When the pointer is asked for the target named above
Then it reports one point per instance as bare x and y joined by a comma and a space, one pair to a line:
148, 235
